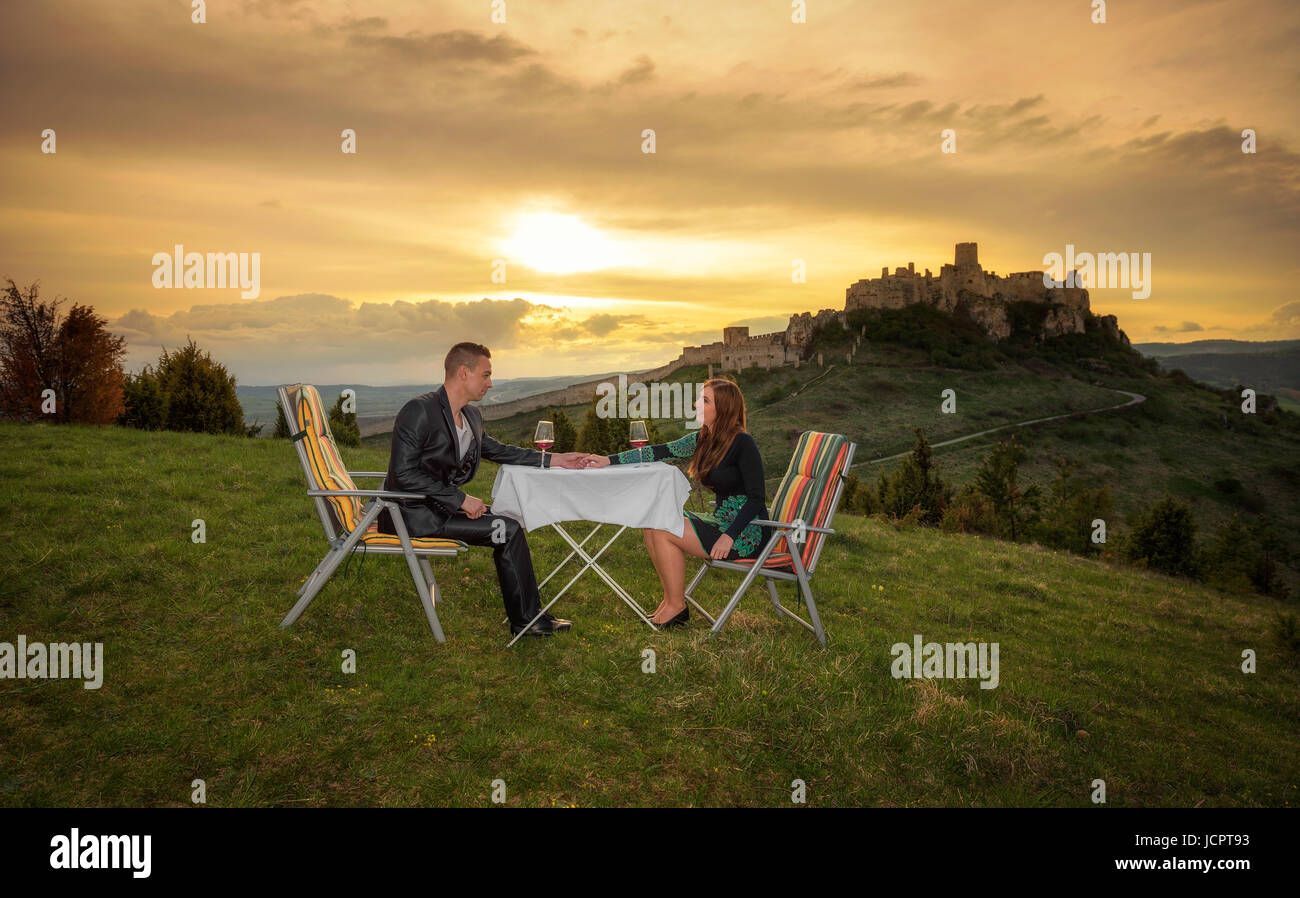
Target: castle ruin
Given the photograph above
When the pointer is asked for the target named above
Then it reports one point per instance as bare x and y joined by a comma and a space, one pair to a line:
962, 288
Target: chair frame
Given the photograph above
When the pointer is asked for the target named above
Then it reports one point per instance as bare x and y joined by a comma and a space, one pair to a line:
755, 569
345, 544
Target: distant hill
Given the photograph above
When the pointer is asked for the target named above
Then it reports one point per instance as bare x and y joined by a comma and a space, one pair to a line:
1201, 347
1269, 367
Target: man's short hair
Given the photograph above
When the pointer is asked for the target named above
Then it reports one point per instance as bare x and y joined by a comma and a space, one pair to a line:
464, 354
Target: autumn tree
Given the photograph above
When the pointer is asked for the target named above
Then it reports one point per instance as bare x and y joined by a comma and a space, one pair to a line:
74, 356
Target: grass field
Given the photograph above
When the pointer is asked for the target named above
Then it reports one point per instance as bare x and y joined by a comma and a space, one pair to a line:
1107, 673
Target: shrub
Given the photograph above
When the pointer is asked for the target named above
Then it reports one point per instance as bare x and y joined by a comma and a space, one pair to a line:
1163, 536
187, 391
1071, 508
344, 425
282, 431
969, 512
916, 485
608, 436
566, 435
1014, 508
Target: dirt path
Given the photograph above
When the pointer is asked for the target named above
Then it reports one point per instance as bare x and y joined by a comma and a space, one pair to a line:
1134, 399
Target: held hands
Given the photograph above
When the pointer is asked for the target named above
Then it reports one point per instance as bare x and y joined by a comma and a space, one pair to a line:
721, 547
571, 460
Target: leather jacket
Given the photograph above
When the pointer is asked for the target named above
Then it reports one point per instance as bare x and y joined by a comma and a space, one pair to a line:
424, 459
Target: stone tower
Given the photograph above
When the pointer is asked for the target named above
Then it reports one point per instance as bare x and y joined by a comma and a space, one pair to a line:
968, 254
735, 336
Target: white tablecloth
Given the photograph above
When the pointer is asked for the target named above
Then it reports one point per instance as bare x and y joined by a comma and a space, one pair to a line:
647, 495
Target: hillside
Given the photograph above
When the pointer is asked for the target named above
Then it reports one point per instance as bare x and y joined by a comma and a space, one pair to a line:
1186, 440
1105, 672
1276, 372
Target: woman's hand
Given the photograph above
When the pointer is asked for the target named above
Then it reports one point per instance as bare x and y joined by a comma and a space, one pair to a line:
721, 547
596, 461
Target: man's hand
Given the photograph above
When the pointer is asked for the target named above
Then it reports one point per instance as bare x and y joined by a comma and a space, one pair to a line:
721, 547
570, 460
473, 507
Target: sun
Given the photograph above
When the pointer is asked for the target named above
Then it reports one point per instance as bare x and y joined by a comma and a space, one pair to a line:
555, 243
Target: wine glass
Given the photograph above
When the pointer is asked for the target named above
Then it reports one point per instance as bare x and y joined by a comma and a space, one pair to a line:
544, 437
638, 436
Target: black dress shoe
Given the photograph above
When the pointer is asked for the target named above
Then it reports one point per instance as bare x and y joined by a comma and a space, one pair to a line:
557, 623
541, 628
682, 617
546, 625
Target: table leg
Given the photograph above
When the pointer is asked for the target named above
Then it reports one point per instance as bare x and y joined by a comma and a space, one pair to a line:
590, 563
609, 580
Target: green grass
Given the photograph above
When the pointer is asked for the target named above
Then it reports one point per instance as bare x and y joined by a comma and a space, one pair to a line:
1106, 672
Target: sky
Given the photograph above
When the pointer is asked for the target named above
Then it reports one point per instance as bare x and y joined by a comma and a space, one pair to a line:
515, 150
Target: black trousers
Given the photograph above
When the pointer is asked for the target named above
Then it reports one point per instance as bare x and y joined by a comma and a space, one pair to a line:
510, 554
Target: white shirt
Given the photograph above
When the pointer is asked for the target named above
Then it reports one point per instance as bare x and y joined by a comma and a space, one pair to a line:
465, 434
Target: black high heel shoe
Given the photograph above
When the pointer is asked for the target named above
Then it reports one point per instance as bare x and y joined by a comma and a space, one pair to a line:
681, 617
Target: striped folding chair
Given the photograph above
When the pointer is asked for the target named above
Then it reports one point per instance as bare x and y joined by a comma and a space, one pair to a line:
349, 526
802, 514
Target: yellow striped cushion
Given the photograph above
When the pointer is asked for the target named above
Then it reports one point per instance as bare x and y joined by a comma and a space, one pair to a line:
323, 455
374, 538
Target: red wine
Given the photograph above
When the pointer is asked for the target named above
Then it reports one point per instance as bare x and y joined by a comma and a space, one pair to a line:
637, 444
544, 444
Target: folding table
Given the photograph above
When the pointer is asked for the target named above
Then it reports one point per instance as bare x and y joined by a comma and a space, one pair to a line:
637, 495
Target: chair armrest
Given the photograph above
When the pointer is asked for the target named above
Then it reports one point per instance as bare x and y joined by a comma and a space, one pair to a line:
784, 526
378, 494
367, 473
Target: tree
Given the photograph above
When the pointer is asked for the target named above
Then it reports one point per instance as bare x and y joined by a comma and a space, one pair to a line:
187, 391
915, 484
1164, 535
566, 435
1072, 506
282, 431
607, 436
76, 357
344, 425
200, 392
997, 482
144, 405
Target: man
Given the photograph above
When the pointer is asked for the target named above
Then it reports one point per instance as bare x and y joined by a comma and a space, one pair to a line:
438, 439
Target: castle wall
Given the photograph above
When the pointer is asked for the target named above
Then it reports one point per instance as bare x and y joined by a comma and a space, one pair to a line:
964, 283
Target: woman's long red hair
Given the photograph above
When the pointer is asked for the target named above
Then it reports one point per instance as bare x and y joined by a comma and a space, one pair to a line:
729, 419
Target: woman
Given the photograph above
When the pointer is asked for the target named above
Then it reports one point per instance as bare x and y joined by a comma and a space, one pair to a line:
724, 457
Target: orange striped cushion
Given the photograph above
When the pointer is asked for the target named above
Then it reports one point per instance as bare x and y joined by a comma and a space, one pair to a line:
775, 560
809, 485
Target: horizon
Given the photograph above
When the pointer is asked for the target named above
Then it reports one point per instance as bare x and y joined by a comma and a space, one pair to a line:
578, 376
775, 148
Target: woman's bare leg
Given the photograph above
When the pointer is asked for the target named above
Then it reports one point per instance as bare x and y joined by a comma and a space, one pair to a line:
652, 547
671, 553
